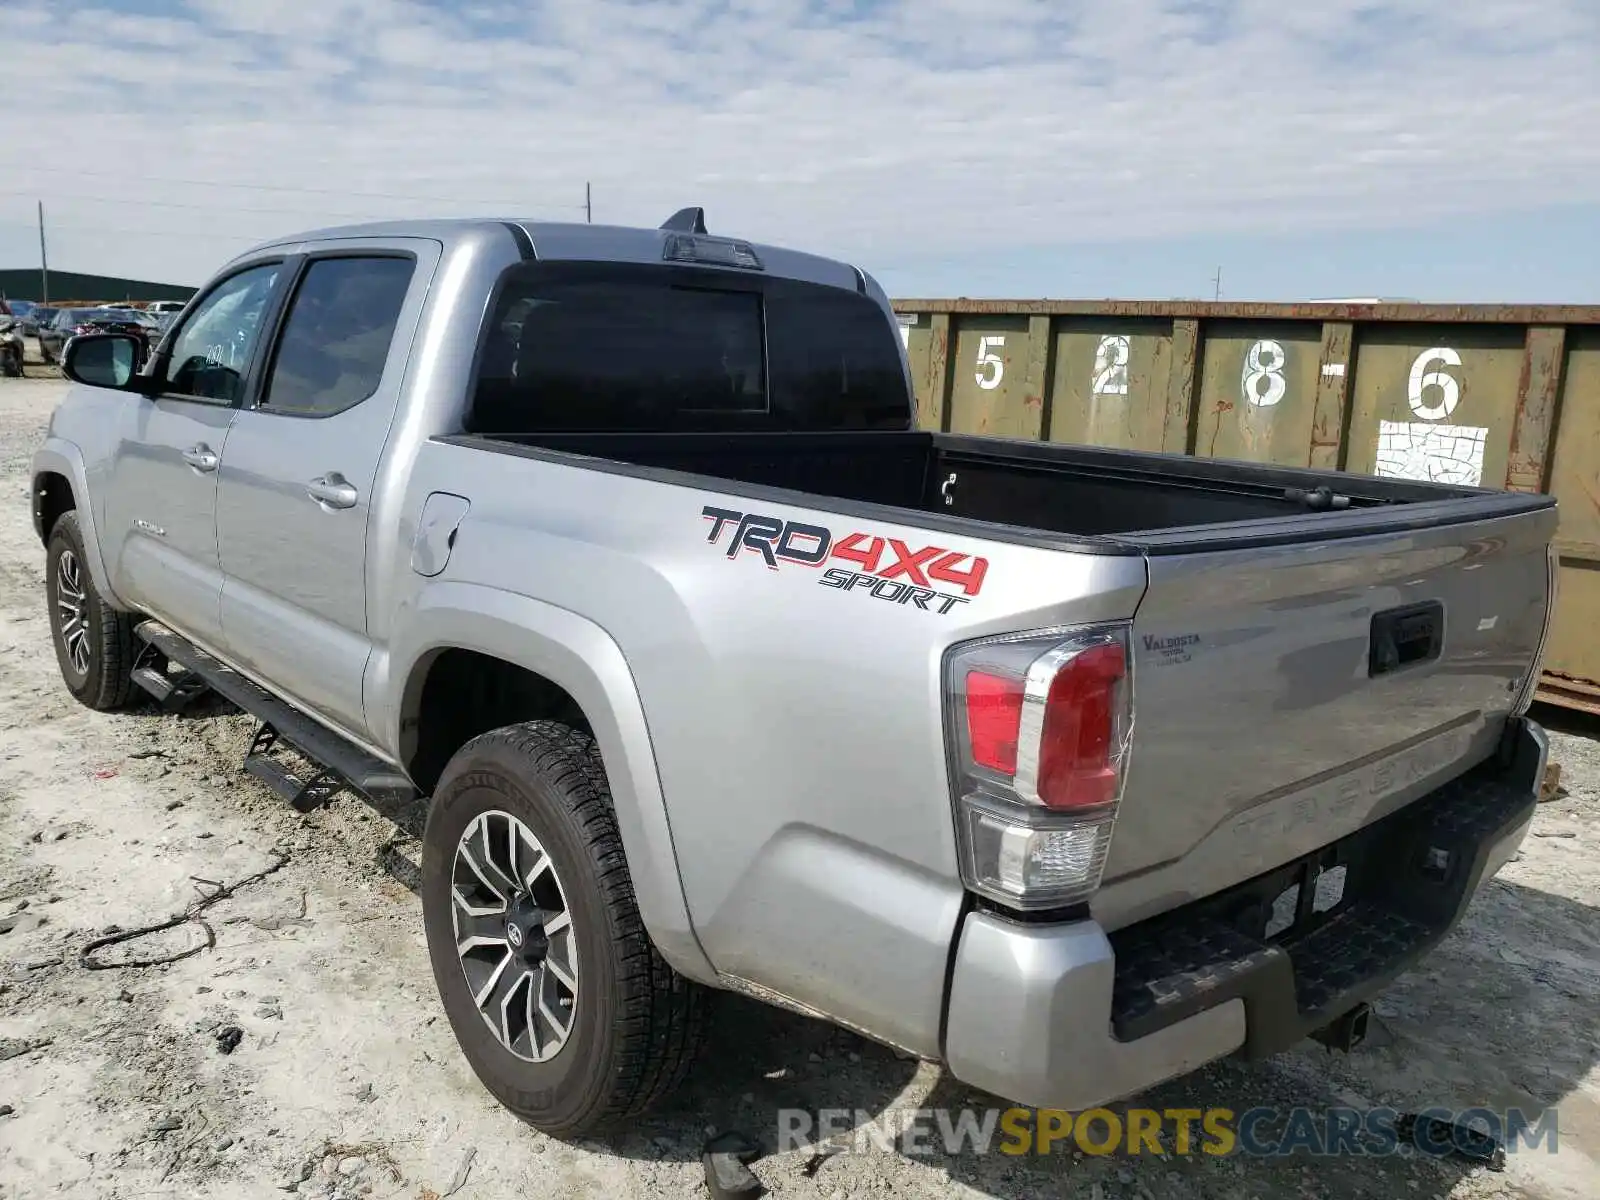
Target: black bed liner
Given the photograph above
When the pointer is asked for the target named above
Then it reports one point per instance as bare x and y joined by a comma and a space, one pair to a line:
1070, 497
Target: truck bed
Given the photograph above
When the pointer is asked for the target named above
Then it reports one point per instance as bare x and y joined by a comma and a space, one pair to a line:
1077, 492
1268, 617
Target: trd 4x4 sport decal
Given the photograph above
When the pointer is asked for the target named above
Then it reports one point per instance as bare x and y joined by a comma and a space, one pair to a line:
885, 568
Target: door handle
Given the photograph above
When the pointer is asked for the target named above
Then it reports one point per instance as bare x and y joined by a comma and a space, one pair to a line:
201, 457
333, 490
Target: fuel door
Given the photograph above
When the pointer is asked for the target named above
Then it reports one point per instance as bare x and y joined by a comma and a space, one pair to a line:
442, 514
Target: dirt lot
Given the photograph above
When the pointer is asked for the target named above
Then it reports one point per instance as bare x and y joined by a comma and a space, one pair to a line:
346, 1080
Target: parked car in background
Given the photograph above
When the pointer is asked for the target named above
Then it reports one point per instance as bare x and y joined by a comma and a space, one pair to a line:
38, 316
164, 308
53, 336
70, 322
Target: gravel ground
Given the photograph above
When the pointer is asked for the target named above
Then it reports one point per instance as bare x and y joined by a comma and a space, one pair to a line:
345, 1080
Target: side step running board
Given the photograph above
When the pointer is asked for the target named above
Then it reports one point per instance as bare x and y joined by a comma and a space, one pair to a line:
173, 692
343, 763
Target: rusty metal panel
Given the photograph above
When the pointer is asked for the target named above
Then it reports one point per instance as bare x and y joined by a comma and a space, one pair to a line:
1435, 402
1185, 358
1333, 396
1258, 390
1574, 648
917, 331
1533, 426
1112, 378
990, 384
1317, 310
929, 355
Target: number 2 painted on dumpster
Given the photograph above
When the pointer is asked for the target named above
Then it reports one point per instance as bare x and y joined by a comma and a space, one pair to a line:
1111, 366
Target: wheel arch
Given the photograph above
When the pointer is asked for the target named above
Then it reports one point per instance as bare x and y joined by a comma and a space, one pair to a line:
60, 484
511, 658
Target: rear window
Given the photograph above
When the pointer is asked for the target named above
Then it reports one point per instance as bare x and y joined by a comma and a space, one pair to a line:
594, 349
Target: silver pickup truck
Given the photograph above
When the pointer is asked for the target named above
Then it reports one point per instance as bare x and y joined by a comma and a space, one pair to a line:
1073, 769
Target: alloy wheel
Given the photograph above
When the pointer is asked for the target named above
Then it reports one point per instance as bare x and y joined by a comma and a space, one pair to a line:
72, 604
514, 936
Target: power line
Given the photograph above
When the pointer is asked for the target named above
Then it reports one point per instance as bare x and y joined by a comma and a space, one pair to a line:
58, 227
223, 207
277, 187
127, 201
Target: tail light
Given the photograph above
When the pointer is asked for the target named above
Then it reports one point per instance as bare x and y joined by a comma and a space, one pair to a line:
1039, 727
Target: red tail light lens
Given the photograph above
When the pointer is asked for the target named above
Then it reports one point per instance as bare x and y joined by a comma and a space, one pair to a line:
1077, 766
994, 714
1040, 727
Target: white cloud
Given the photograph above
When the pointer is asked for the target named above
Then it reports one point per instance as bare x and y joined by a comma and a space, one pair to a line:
877, 130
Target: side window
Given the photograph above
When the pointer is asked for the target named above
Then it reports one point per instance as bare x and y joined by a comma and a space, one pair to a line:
212, 350
337, 335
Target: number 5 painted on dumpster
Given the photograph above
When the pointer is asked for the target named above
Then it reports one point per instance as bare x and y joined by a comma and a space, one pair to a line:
991, 367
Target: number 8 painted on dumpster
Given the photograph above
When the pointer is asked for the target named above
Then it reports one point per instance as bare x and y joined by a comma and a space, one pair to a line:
1264, 364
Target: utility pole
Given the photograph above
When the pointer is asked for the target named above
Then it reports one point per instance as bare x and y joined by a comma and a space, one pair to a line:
1217, 295
588, 203
44, 261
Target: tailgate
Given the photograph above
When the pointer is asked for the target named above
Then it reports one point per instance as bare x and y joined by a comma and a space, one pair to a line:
1290, 691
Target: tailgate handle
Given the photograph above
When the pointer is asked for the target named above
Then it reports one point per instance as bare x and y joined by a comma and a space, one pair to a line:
1403, 637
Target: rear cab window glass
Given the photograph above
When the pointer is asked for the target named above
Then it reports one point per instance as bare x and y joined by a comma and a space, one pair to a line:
337, 334
593, 348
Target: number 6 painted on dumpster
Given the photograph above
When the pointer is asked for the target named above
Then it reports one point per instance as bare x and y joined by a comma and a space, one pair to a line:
1421, 378
991, 367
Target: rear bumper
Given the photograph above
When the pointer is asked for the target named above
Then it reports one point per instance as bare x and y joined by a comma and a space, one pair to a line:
1066, 1016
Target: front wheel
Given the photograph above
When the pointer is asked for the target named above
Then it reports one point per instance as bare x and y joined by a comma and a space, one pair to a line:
94, 642
561, 1004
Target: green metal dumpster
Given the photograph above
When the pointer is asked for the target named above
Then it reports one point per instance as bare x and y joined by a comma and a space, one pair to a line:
1487, 395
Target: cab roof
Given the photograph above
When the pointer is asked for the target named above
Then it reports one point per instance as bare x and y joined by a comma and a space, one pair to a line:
550, 241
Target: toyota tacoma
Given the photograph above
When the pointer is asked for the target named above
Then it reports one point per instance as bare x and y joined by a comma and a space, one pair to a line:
1070, 768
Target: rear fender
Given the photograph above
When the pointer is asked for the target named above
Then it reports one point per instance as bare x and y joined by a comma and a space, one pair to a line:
583, 659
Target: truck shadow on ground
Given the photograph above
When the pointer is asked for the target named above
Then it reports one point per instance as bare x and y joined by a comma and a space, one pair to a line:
1476, 1024
1469, 1028
1505, 1013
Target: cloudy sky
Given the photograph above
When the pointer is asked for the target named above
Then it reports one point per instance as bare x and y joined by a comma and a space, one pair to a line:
1438, 149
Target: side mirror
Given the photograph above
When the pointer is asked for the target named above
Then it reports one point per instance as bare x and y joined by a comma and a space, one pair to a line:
105, 360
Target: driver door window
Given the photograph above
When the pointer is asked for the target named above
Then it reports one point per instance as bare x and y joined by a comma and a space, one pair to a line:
211, 354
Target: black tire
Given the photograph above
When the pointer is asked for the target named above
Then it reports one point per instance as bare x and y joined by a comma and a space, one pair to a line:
636, 1023
105, 652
